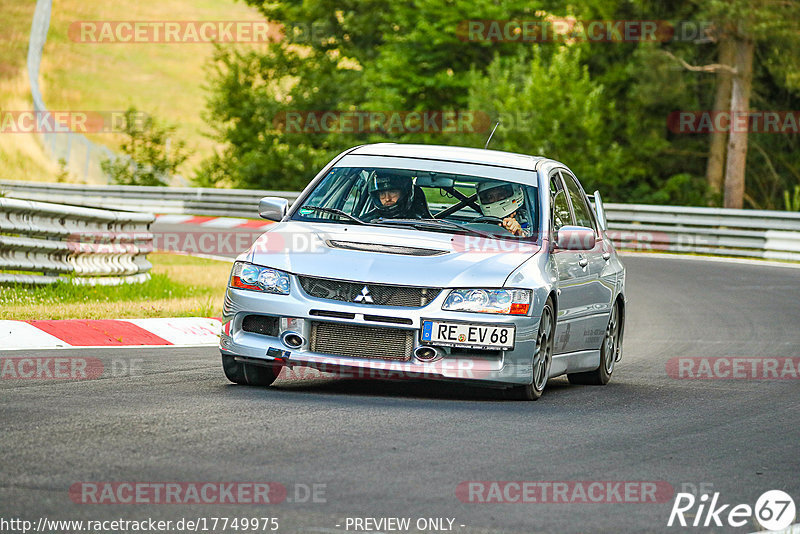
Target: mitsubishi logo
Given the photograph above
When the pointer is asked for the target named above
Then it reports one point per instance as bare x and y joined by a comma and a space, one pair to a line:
364, 297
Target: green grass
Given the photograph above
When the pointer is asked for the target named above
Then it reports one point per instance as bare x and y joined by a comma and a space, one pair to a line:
180, 286
14, 37
21, 155
164, 80
158, 287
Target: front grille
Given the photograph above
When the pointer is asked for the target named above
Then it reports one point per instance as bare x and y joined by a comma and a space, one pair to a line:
260, 324
335, 314
377, 294
384, 319
356, 341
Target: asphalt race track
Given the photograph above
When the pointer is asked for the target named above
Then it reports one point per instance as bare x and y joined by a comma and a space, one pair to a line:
400, 449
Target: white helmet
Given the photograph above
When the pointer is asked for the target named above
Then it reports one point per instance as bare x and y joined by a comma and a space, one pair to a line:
499, 199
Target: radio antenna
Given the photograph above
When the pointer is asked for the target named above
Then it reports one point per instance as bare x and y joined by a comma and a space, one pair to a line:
490, 135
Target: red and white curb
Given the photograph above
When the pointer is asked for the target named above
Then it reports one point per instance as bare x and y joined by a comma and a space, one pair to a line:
213, 222
180, 331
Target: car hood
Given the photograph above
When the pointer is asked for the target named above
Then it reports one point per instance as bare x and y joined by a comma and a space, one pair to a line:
388, 255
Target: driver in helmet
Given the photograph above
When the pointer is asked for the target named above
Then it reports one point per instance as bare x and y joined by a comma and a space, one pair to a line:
392, 197
504, 201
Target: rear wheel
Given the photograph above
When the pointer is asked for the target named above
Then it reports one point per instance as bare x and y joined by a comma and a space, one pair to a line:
542, 358
608, 355
248, 374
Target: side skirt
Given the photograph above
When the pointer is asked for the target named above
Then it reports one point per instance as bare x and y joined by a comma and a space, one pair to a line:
575, 362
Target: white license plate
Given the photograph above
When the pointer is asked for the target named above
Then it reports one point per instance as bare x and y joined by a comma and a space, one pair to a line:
475, 336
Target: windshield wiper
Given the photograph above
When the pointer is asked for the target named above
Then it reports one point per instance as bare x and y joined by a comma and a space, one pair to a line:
421, 224
462, 226
334, 211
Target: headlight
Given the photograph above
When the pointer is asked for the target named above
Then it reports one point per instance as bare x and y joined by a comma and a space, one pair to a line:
508, 301
253, 277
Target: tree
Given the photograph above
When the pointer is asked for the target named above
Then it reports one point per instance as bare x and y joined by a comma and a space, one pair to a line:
741, 25
345, 56
741, 85
551, 106
146, 158
606, 114
715, 168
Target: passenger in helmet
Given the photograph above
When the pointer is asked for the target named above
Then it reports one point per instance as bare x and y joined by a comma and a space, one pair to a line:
504, 201
395, 197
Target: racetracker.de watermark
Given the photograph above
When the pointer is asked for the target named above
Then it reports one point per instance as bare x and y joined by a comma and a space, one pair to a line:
222, 242
83, 122
392, 370
568, 29
228, 243
218, 243
395, 122
659, 241
734, 368
565, 491
174, 31
177, 492
50, 368
704, 122
68, 368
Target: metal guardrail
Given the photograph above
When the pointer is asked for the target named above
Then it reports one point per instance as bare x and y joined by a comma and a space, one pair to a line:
189, 200
42, 243
718, 231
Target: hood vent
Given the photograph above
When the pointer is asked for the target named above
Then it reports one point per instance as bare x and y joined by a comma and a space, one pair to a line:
385, 249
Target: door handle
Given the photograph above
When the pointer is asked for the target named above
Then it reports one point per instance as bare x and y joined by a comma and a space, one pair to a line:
606, 256
583, 262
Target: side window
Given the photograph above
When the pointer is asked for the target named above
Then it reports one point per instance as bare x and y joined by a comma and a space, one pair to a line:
559, 205
583, 215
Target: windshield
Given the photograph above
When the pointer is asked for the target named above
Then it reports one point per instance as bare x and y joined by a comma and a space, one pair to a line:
425, 200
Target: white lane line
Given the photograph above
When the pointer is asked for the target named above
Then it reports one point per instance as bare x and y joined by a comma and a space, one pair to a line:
173, 218
224, 222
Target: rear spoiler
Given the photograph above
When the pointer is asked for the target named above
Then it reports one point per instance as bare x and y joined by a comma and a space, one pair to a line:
599, 211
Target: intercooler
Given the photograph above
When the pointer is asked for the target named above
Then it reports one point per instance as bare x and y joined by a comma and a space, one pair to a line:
356, 341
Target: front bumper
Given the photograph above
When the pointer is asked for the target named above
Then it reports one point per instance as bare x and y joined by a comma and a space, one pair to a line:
490, 368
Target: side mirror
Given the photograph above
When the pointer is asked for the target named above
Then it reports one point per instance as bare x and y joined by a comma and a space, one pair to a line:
273, 208
575, 238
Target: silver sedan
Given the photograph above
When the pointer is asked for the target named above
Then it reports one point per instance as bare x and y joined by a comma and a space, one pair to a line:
433, 262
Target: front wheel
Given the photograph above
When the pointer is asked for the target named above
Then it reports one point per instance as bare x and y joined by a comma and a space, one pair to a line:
542, 358
608, 355
248, 374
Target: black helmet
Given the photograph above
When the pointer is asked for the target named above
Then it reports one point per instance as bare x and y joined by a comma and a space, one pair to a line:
386, 181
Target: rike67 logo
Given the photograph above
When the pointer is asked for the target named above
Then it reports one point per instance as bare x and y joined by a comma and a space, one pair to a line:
774, 510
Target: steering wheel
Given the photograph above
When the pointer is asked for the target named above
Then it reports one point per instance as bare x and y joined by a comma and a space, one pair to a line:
487, 219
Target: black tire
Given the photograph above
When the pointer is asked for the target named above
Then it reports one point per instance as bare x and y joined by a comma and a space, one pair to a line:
542, 358
609, 350
248, 374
